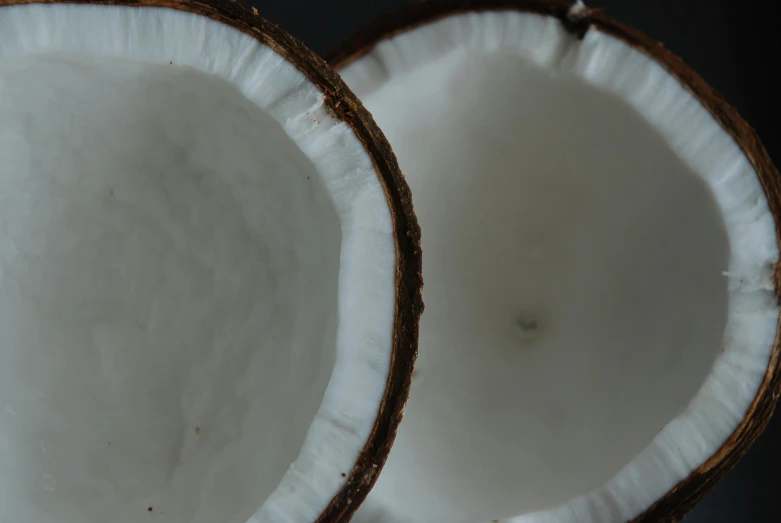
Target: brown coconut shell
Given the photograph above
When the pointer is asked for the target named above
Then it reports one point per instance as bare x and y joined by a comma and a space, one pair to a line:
676, 503
345, 107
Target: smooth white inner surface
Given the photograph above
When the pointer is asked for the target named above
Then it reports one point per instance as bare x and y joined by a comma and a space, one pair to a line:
543, 197
190, 246
168, 298
574, 265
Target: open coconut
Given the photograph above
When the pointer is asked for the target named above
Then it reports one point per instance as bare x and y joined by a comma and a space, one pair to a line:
209, 271
600, 342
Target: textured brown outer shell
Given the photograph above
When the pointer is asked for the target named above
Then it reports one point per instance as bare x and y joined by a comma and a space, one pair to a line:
676, 503
344, 106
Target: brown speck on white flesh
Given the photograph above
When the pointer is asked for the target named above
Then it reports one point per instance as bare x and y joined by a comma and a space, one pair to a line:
527, 327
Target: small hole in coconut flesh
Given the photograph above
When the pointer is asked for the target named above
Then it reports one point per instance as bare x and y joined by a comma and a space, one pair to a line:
528, 327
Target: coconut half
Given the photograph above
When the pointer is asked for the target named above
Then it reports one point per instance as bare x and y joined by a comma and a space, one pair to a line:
209, 271
600, 342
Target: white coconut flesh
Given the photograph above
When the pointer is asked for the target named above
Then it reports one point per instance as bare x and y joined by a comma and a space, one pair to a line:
598, 255
196, 275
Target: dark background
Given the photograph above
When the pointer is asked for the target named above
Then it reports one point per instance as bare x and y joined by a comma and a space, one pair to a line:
736, 47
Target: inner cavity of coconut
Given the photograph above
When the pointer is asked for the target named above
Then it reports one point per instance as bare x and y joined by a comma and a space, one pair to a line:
169, 263
575, 300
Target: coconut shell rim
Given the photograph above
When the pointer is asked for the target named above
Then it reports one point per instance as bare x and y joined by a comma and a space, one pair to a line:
345, 107
676, 503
